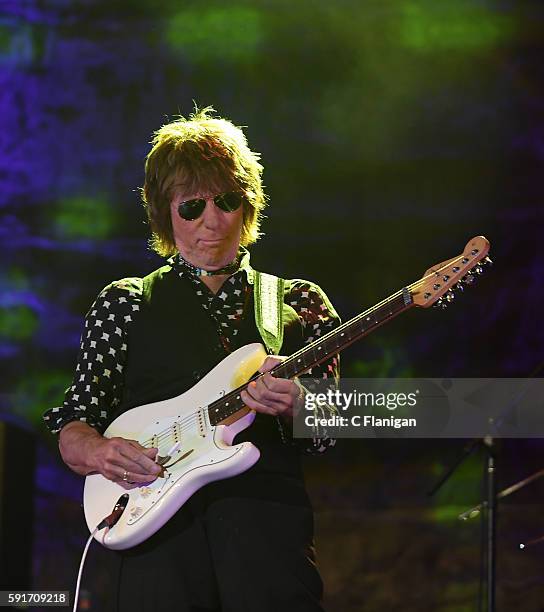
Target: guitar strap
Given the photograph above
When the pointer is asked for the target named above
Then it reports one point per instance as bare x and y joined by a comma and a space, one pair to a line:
268, 291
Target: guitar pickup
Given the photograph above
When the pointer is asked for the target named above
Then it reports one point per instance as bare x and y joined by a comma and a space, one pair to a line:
201, 423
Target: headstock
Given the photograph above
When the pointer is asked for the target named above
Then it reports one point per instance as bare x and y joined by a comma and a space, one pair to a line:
439, 282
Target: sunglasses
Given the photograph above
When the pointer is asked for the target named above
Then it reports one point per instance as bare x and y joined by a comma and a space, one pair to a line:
228, 202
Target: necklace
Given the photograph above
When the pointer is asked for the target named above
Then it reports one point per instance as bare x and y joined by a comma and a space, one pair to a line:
196, 271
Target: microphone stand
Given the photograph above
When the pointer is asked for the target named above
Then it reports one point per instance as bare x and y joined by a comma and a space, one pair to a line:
490, 504
491, 497
491, 522
491, 500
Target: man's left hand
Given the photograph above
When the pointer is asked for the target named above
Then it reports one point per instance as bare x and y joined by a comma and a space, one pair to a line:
271, 395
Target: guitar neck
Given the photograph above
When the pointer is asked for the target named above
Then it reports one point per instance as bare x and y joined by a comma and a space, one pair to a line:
320, 350
335, 341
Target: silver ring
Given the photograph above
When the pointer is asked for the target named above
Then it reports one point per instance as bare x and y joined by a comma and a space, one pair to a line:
125, 476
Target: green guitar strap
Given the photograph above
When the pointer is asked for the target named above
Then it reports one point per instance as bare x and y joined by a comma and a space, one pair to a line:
268, 291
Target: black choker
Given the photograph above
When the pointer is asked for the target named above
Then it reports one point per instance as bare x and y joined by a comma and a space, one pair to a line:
231, 268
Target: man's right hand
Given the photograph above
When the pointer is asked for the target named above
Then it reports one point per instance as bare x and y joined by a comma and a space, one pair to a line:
123, 461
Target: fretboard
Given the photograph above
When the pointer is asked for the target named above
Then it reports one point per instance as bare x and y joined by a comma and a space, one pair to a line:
320, 350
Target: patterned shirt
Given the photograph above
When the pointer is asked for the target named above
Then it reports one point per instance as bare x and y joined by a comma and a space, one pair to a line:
98, 382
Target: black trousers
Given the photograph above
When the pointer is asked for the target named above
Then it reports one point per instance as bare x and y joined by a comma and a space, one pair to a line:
240, 545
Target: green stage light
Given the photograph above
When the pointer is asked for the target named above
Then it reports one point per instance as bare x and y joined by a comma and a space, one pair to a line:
17, 322
84, 217
447, 513
434, 27
15, 279
38, 392
231, 34
5, 39
462, 491
388, 364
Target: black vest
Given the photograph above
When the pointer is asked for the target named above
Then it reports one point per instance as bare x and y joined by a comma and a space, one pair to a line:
173, 342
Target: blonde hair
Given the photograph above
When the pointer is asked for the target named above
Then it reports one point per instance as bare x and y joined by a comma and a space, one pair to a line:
201, 153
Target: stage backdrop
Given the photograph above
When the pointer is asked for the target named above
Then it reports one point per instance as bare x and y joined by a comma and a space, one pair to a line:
391, 133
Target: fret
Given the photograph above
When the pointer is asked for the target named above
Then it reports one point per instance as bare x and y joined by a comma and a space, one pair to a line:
330, 346
311, 353
224, 407
333, 343
285, 370
292, 367
344, 336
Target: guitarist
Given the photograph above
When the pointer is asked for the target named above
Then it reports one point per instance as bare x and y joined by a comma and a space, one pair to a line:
244, 544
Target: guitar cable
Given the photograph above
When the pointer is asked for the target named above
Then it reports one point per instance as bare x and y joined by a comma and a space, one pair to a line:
109, 521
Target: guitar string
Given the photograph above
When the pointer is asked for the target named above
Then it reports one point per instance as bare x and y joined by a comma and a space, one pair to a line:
185, 422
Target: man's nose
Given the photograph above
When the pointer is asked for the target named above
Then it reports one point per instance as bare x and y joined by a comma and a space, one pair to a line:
212, 214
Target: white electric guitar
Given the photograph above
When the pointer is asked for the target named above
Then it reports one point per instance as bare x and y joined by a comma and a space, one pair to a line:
194, 431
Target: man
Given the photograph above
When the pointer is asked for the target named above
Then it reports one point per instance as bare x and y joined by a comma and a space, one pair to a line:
241, 544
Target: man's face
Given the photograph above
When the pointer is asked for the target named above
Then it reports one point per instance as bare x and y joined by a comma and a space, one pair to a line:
211, 241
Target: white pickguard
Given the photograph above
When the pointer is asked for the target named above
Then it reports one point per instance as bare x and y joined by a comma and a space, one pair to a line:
205, 453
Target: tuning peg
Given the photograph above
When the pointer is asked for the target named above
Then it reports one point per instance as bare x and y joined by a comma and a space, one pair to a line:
487, 261
458, 287
468, 279
478, 269
450, 296
441, 303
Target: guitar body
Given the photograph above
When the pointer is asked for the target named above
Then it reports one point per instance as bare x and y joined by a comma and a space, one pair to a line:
204, 455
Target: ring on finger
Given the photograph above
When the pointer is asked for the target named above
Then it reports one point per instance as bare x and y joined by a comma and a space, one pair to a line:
125, 476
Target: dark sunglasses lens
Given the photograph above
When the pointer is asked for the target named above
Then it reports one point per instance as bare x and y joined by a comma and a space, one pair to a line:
191, 210
229, 202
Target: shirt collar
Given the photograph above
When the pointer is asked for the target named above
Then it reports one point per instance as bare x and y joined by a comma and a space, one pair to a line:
184, 268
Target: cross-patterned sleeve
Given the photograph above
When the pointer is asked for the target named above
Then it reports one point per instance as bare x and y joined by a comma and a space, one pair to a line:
97, 386
318, 317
